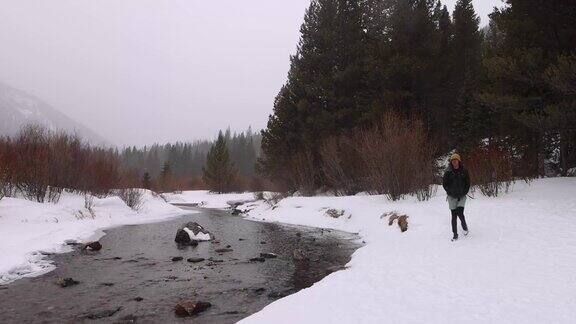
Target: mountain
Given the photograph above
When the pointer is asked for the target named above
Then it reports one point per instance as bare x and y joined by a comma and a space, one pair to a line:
18, 108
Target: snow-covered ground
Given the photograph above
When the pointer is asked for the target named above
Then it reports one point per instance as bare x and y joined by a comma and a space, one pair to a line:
516, 266
28, 228
206, 199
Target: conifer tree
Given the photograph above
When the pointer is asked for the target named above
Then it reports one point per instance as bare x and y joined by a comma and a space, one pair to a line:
466, 68
146, 181
326, 88
166, 177
528, 39
219, 173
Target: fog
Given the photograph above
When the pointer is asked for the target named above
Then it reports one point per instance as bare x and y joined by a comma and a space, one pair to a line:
145, 71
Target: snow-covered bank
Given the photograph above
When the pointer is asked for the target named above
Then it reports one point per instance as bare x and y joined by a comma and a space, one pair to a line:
517, 265
206, 199
29, 229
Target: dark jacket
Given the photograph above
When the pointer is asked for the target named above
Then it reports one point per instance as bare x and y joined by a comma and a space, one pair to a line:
456, 182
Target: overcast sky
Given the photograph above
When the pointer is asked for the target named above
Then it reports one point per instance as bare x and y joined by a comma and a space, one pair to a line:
145, 71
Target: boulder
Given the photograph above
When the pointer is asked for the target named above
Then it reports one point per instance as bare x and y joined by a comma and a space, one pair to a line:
259, 259
66, 282
191, 308
192, 233
195, 260
259, 290
176, 259
223, 250
103, 313
268, 255
334, 213
93, 246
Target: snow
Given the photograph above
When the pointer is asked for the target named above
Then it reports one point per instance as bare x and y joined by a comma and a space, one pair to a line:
516, 266
208, 200
29, 229
199, 237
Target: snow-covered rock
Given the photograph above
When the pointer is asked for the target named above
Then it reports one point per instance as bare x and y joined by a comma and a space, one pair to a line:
197, 237
192, 233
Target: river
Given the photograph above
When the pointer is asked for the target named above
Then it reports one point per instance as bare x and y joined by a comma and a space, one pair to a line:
134, 280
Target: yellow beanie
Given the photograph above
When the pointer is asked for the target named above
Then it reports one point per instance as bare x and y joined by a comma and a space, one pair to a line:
455, 157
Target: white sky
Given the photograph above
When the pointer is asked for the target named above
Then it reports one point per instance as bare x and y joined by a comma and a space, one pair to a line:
144, 71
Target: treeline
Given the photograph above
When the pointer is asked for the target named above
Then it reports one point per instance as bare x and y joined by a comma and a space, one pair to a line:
503, 95
39, 165
180, 166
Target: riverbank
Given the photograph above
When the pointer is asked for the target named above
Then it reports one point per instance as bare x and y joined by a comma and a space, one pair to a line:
515, 266
30, 230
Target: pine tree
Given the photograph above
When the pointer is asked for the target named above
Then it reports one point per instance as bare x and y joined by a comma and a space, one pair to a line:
146, 181
219, 173
467, 42
326, 88
466, 49
528, 38
166, 179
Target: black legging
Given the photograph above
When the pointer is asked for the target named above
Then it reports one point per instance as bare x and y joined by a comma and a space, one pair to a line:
458, 213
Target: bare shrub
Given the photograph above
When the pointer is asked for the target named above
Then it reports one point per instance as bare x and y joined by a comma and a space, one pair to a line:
40, 165
305, 173
89, 204
273, 198
491, 169
132, 197
398, 156
31, 162
7, 183
341, 166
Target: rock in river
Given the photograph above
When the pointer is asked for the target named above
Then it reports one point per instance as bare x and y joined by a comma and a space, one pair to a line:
196, 260
190, 308
192, 233
66, 282
93, 246
268, 255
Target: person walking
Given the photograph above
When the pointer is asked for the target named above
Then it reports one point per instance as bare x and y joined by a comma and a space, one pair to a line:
456, 182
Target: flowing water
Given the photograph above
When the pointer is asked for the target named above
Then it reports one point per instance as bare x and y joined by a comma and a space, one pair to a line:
134, 280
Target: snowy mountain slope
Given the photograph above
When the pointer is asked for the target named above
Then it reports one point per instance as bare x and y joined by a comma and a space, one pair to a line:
18, 108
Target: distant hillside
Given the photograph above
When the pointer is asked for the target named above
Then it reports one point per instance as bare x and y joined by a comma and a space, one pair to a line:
19, 108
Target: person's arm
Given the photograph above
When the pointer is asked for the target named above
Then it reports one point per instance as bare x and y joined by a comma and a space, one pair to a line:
467, 181
445, 182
